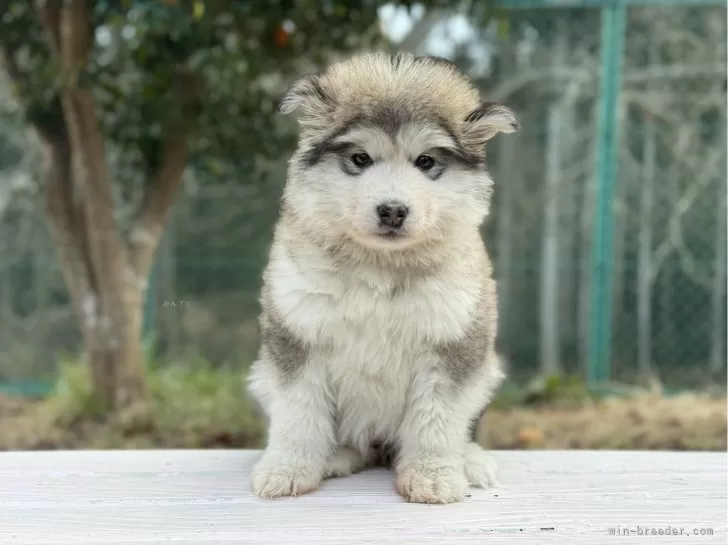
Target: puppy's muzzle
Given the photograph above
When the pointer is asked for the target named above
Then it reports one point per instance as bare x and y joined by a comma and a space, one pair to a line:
392, 214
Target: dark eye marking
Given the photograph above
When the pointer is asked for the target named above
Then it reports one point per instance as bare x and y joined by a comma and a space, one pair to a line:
459, 157
362, 159
425, 162
351, 159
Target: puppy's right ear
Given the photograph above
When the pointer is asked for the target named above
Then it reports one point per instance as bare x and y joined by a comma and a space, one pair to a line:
488, 120
309, 95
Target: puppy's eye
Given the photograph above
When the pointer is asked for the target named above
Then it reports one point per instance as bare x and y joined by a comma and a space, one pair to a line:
362, 160
424, 162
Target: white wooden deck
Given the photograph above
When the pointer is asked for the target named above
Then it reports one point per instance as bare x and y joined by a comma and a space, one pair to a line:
203, 497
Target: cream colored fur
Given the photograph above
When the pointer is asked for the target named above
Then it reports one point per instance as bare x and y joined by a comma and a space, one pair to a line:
370, 317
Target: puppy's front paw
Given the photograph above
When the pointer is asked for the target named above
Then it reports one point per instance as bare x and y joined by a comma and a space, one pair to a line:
273, 478
431, 482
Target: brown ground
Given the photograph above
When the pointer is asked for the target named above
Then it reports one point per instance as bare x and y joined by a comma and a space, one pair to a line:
686, 422
646, 422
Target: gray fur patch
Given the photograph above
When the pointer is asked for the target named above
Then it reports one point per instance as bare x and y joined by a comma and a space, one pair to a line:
390, 117
473, 431
283, 347
464, 356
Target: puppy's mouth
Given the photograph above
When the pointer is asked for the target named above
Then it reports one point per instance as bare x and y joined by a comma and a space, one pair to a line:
391, 234
385, 238
391, 239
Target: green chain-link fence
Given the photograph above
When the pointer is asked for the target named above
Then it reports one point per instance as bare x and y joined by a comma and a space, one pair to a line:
667, 261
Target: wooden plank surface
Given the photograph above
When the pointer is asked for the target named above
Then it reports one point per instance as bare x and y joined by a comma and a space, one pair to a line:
203, 497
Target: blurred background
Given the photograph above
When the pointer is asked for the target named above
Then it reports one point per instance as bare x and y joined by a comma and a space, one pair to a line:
141, 167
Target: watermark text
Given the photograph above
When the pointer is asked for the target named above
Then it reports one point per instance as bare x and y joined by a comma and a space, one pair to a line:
659, 531
176, 304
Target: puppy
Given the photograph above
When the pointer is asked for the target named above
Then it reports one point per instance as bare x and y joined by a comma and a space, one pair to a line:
378, 308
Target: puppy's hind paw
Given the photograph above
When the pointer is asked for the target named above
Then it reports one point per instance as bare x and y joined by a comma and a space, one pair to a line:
480, 467
344, 462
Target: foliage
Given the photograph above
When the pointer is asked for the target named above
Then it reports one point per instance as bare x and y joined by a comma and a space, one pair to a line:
244, 52
193, 406
133, 93
140, 48
197, 406
220, 233
554, 390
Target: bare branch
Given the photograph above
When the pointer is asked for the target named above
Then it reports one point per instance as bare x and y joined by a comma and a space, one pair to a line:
587, 75
49, 14
675, 241
66, 221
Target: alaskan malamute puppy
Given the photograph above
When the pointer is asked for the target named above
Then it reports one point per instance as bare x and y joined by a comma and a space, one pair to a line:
379, 307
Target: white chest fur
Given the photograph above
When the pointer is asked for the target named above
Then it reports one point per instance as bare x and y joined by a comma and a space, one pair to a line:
370, 336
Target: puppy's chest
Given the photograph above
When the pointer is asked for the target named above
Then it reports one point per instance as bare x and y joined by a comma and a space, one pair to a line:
363, 316
375, 343
374, 320
375, 327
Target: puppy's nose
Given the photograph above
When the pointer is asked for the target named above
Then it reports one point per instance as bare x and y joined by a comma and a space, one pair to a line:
392, 214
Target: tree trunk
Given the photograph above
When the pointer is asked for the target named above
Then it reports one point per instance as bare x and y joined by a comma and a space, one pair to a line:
508, 181
551, 244
718, 348
113, 348
109, 314
644, 262
668, 333
587, 219
509, 175
568, 229
105, 273
550, 364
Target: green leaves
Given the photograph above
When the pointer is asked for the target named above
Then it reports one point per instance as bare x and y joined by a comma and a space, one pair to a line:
233, 46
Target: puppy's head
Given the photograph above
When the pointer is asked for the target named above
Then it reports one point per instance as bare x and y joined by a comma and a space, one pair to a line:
391, 151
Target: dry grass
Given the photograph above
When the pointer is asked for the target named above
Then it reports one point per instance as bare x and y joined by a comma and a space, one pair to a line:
646, 422
203, 408
191, 408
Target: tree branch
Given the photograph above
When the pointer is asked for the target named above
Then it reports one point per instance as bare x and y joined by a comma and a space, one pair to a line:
7, 63
49, 15
67, 226
165, 181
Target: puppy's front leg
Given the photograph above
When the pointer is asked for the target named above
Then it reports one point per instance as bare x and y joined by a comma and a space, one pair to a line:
301, 436
432, 439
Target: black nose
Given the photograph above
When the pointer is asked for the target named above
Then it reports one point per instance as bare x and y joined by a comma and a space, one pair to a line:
392, 214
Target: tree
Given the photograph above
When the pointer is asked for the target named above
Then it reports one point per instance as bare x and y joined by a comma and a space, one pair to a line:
123, 97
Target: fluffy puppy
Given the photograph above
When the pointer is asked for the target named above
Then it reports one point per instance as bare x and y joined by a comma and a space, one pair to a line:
378, 308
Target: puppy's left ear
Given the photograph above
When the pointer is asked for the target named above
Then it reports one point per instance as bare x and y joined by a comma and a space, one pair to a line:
488, 120
309, 95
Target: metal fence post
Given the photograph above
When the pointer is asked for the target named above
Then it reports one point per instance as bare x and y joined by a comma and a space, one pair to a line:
607, 158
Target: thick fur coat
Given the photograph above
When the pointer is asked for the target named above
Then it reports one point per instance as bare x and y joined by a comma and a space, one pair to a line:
379, 313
